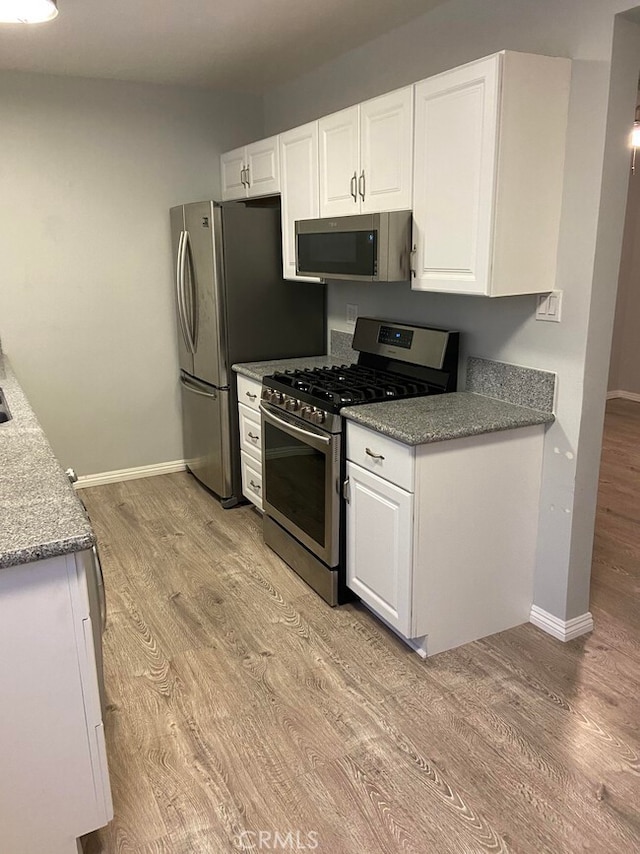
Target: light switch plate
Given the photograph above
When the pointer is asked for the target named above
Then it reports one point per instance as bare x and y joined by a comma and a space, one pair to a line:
549, 306
352, 313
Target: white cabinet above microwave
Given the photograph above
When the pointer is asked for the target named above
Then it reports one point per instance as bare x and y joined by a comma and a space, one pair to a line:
365, 156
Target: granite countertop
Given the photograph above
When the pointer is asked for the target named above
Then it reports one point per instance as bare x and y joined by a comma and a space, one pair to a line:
40, 514
421, 420
258, 370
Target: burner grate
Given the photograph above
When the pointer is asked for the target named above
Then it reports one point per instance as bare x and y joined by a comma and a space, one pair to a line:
346, 384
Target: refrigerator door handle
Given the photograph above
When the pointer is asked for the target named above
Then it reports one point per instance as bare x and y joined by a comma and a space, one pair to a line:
196, 390
179, 288
189, 322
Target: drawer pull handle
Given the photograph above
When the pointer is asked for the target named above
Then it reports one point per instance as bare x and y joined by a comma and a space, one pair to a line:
370, 453
252, 437
255, 486
251, 396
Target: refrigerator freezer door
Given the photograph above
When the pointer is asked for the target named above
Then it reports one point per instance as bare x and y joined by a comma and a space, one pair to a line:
207, 434
185, 355
203, 291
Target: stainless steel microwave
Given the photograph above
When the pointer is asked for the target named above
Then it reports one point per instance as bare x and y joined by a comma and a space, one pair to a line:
364, 247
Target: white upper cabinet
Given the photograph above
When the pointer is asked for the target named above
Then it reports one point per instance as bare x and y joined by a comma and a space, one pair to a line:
386, 143
232, 172
488, 174
252, 170
339, 162
299, 188
365, 156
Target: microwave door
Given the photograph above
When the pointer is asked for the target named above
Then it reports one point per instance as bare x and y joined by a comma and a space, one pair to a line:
338, 254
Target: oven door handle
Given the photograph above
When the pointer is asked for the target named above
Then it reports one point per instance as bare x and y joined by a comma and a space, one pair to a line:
316, 440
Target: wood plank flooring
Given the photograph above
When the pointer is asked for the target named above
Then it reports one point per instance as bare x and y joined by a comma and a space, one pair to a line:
240, 704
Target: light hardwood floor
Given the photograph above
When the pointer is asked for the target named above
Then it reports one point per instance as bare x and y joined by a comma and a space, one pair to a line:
239, 702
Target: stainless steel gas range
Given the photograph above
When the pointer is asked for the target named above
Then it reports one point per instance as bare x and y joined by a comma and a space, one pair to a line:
302, 438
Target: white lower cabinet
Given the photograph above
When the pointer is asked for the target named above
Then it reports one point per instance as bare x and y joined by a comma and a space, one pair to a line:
54, 785
252, 479
445, 554
380, 525
249, 391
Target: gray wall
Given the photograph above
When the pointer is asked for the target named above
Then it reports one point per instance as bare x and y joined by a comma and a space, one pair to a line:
624, 373
457, 32
88, 172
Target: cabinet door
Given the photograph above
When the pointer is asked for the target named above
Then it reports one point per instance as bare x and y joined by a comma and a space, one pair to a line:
339, 163
251, 479
386, 144
54, 784
232, 165
455, 150
299, 187
379, 546
263, 170
250, 431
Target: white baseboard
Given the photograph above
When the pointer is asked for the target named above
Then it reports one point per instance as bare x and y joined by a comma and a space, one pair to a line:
627, 395
116, 476
564, 630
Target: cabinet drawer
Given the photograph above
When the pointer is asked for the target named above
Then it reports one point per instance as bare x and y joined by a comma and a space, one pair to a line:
385, 457
249, 392
250, 431
251, 479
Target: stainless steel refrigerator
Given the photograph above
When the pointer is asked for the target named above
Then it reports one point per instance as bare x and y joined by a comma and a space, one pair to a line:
232, 306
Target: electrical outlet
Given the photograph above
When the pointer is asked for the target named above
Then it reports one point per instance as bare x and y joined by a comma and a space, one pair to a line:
550, 306
352, 313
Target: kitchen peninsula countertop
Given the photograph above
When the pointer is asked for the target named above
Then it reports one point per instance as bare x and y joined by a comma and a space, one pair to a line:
41, 516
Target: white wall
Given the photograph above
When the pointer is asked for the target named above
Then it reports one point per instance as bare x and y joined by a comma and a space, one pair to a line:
88, 171
505, 329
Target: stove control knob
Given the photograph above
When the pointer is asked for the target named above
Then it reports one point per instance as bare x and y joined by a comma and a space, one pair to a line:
305, 412
277, 397
318, 416
267, 395
291, 404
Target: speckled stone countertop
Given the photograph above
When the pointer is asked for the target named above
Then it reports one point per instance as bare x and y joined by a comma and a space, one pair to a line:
40, 514
258, 370
421, 420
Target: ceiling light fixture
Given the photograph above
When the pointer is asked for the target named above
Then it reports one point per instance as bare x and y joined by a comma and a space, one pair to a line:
27, 11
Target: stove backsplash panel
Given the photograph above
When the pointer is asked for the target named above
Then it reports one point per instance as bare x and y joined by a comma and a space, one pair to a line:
341, 346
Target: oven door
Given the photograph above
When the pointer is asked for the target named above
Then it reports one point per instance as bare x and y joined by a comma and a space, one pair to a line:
301, 481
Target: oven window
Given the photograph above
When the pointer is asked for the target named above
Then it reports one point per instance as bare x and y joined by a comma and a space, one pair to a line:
295, 478
342, 252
